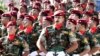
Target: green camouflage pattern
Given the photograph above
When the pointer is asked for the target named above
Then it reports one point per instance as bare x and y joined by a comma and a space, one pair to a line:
57, 40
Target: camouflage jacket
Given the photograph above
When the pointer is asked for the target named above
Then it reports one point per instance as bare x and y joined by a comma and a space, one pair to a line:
10, 48
57, 40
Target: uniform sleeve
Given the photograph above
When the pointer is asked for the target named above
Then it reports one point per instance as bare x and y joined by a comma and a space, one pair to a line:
42, 35
72, 37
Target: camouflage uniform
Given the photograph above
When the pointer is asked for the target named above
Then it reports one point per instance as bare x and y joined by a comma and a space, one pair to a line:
3, 32
31, 39
83, 42
94, 40
97, 34
10, 48
37, 29
57, 40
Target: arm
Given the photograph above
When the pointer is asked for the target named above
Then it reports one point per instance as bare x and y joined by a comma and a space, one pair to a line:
41, 40
73, 47
86, 47
41, 46
85, 51
74, 44
26, 49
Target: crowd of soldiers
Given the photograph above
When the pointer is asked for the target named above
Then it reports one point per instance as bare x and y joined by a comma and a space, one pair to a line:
50, 28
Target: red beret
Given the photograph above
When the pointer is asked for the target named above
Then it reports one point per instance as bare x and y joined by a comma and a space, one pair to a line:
80, 5
59, 13
6, 15
37, 6
91, 4
88, 13
47, 1
78, 1
11, 24
73, 21
21, 16
48, 18
11, 4
96, 20
62, 4
15, 9
46, 11
30, 18
14, 13
58, 1
83, 22
1, 12
76, 12
24, 5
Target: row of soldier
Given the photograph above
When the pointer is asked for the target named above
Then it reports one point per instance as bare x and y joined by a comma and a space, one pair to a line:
62, 29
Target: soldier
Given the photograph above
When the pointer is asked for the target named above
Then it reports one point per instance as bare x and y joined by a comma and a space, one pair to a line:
87, 16
10, 6
15, 9
55, 40
36, 8
39, 23
29, 34
75, 3
13, 16
5, 18
47, 21
19, 22
90, 7
11, 42
84, 46
75, 14
46, 4
1, 12
94, 31
22, 9
71, 25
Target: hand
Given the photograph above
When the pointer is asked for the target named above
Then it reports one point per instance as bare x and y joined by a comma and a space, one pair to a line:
26, 46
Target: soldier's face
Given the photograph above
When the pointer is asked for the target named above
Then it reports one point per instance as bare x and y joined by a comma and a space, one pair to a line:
79, 26
34, 11
4, 20
22, 9
19, 21
70, 25
13, 19
11, 30
45, 23
73, 16
58, 19
40, 20
25, 22
91, 23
